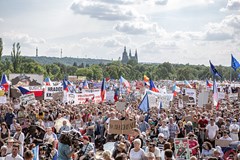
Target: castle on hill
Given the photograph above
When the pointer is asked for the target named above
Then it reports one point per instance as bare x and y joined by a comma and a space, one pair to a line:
127, 57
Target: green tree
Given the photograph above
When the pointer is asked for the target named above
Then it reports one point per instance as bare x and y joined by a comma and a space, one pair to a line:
16, 57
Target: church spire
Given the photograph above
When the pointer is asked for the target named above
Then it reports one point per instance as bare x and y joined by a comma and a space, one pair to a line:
130, 54
36, 51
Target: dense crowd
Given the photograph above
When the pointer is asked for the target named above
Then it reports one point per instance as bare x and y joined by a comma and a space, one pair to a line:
30, 132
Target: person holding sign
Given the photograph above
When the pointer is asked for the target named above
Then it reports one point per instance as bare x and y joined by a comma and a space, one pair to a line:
193, 144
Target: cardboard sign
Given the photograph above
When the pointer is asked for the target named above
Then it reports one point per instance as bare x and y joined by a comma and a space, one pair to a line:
192, 95
222, 143
110, 96
181, 146
121, 127
120, 106
203, 99
186, 98
27, 99
2, 92
50, 90
3, 99
208, 106
58, 96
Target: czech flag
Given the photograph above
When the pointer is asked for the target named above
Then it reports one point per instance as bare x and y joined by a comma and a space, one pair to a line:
187, 83
103, 90
215, 95
176, 90
65, 86
85, 85
124, 82
152, 86
5, 83
209, 84
116, 95
48, 81
37, 93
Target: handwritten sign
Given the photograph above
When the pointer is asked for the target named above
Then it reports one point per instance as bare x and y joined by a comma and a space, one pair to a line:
27, 99
50, 90
121, 127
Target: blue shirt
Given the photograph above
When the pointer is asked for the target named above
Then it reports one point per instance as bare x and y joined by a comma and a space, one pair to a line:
63, 151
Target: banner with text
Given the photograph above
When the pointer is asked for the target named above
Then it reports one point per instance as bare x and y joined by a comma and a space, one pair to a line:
50, 90
121, 127
27, 99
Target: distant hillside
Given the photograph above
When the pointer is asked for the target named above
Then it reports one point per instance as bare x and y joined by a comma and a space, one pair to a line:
65, 60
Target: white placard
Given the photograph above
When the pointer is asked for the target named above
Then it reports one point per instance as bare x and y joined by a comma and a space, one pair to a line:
203, 98
3, 99
27, 99
221, 95
49, 90
110, 96
192, 95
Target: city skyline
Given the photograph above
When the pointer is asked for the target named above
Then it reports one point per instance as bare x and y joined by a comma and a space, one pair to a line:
175, 31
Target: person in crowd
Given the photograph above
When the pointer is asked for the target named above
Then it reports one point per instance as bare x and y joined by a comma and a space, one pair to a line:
188, 127
90, 129
168, 154
120, 148
173, 129
137, 135
13, 127
234, 130
212, 131
161, 141
64, 127
14, 155
19, 138
150, 156
137, 153
143, 125
226, 136
28, 155
49, 135
202, 123
121, 156
153, 149
193, 144
164, 130
65, 150
38, 137
3, 152
4, 133
107, 155
86, 149
9, 117
182, 131
206, 149
217, 154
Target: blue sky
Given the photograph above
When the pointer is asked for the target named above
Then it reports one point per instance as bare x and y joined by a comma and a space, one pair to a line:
176, 31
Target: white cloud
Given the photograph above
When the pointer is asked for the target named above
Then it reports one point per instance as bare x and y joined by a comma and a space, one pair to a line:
161, 2
233, 5
112, 43
1, 20
104, 11
156, 46
123, 2
23, 38
139, 27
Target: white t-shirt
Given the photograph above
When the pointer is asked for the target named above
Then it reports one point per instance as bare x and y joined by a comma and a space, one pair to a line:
212, 130
156, 152
9, 157
137, 155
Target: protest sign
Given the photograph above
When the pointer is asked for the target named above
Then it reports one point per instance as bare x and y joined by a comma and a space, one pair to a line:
27, 99
152, 99
110, 96
3, 99
208, 106
192, 95
181, 146
222, 143
185, 98
221, 95
58, 96
2, 92
203, 98
49, 90
81, 98
121, 126
120, 106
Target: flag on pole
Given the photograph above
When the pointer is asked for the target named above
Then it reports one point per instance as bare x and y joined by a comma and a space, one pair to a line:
234, 63
214, 70
124, 82
37, 93
144, 105
152, 86
176, 90
5, 83
65, 85
208, 83
85, 84
187, 84
215, 93
145, 78
48, 81
35, 151
103, 90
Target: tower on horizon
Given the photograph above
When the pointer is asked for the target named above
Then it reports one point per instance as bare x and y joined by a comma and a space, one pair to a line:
61, 53
127, 57
36, 52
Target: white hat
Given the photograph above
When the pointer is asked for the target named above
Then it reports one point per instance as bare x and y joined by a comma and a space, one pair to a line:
161, 135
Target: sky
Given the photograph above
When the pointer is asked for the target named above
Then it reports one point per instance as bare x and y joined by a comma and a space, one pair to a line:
175, 31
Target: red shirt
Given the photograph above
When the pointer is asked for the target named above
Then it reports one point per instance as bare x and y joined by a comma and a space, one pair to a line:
193, 143
203, 123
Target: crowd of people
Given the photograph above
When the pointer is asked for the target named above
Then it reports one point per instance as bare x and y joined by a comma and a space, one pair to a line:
29, 132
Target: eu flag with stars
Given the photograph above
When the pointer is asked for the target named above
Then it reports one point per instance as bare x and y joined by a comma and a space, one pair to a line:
214, 70
234, 63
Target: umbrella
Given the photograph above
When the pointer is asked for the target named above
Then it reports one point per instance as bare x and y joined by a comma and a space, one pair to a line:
59, 123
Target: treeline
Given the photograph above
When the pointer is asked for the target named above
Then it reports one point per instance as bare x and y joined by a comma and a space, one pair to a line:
131, 71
